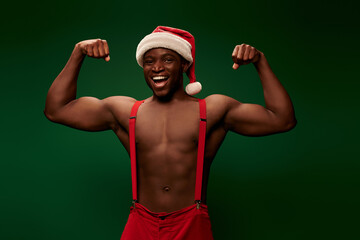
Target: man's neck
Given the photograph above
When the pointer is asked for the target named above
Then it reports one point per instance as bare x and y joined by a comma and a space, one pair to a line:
179, 95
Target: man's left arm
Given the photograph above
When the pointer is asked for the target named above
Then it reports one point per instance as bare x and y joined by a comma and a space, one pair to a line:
252, 119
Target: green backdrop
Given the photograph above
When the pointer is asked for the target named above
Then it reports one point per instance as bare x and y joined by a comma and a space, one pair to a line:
61, 183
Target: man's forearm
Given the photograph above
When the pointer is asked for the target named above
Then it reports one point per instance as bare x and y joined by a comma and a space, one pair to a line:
276, 98
63, 89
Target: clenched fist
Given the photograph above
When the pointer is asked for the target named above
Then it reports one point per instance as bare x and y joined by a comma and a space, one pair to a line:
244, 54
96, 48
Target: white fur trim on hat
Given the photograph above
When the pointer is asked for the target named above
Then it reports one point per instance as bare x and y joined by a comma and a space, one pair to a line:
163, 40
193, 88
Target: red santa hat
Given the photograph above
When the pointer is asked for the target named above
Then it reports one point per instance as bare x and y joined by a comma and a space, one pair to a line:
177, 40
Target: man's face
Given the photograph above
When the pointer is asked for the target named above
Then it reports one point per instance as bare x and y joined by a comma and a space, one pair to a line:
163, 71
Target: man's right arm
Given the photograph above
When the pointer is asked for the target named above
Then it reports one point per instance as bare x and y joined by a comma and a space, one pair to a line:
85, 113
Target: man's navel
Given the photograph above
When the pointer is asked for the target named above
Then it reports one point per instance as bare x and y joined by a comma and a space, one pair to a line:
166, 189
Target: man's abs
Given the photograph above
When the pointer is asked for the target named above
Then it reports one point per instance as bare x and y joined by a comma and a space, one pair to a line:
166, 177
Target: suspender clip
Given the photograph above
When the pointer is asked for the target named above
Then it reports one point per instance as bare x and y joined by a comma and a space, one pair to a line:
133, 203
197, 204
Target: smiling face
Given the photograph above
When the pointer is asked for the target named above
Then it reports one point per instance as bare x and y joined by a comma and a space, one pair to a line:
163, 71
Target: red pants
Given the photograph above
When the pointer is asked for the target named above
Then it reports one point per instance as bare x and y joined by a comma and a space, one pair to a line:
188, 223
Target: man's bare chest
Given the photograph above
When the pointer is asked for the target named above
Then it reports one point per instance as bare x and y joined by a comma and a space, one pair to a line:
167, 127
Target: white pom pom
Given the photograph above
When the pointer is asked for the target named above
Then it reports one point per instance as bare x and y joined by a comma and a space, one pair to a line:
193, 88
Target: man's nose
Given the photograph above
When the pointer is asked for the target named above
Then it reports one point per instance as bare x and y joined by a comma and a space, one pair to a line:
158, 66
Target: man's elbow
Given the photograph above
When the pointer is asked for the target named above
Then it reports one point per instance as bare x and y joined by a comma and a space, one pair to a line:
288, 125
49, 116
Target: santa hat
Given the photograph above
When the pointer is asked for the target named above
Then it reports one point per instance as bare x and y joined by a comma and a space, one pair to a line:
177, 40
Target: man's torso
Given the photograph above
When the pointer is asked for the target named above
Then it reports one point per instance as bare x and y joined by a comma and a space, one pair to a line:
166, 143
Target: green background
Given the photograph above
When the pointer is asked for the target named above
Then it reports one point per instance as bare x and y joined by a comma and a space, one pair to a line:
61, 183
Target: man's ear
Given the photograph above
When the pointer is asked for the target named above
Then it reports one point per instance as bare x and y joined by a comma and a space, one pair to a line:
185, 65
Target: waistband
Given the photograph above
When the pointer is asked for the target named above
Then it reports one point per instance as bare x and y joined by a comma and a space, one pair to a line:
175, 215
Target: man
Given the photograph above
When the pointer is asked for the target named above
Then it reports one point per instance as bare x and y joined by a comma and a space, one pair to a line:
169, 158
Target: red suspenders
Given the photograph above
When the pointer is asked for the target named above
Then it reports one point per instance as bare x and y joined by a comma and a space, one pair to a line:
200, 154
201, 149
133, 147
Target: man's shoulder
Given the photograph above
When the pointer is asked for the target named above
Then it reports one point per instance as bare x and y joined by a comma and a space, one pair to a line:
220, 104
219, 100
119, 100
119, 103
216, 97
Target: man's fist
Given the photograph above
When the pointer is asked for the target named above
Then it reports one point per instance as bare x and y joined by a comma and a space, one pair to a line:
95, 48
244, 54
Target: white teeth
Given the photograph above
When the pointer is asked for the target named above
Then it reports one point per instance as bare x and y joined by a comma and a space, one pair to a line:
159, 78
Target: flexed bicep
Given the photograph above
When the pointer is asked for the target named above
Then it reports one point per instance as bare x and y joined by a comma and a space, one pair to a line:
252, 120
92, 114
85, 113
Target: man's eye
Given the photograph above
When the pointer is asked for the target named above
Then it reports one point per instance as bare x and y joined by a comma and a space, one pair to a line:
148, 61
168, 60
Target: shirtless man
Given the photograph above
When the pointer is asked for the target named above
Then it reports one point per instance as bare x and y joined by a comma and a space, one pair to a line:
167, 123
